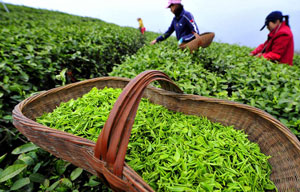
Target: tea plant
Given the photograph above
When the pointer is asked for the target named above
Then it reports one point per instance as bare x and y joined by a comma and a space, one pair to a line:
227, 72
39, 50
37, 170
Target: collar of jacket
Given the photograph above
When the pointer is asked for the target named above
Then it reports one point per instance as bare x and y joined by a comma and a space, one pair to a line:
274, 31
180, 15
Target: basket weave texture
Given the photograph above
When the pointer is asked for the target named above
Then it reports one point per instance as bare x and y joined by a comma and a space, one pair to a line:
203, 40
105, 158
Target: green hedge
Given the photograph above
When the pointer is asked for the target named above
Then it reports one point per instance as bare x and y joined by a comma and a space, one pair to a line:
36, 45
296, 61
40, 50
228, 72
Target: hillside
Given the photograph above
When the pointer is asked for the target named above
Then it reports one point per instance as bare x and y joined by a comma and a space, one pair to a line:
41, 49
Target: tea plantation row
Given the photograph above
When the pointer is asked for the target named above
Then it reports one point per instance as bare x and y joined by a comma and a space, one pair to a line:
228, 72
42, 49
36, 45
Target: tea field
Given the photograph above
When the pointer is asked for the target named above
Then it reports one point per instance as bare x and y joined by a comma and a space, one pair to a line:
41, 49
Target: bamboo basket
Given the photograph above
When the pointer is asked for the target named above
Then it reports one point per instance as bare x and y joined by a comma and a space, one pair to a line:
105, 158
203, 40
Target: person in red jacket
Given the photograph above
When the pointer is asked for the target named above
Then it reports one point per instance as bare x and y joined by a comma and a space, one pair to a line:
280, 43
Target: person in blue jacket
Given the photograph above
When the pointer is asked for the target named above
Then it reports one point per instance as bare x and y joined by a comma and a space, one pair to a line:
183, 23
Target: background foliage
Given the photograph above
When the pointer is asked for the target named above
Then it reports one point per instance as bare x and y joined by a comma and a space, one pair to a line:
42, 49
228, 72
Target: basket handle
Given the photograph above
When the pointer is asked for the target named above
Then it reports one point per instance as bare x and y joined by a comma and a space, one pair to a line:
113, 140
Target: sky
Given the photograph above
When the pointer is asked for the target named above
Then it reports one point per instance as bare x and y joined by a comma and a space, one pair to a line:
232, 21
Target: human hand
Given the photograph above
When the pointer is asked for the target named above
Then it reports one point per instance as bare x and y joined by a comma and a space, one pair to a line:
259, 55
153, 42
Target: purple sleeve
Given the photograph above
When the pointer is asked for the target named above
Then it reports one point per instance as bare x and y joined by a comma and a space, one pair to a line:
167, 33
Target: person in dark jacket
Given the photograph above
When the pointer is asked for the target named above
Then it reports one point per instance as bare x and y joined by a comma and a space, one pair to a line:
280, 43
183, 23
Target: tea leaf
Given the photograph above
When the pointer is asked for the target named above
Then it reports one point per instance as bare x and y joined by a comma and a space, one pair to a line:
11, 171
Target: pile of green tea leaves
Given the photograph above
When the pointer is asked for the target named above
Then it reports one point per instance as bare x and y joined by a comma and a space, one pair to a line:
170, 150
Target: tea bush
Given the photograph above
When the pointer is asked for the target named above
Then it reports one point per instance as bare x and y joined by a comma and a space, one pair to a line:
39, 50
225, 71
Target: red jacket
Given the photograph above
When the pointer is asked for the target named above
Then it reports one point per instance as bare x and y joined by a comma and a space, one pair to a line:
279, 46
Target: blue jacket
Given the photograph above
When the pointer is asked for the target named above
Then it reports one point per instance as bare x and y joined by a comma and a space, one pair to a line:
184, 25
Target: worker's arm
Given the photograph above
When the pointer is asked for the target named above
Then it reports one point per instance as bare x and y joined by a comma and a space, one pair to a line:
167, 33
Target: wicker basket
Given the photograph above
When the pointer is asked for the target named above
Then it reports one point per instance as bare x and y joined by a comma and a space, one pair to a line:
203, 40
106, 157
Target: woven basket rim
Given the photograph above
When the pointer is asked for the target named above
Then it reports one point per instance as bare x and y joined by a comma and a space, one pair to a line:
130, 178
17, 112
